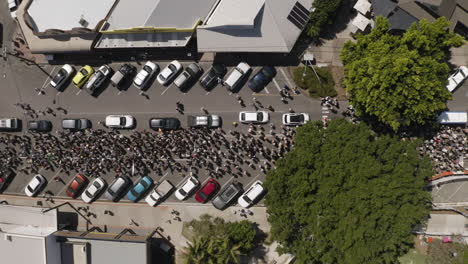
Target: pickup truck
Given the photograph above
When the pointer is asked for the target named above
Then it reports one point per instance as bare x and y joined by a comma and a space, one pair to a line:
237, 75
9, 124
209, 121
159, 193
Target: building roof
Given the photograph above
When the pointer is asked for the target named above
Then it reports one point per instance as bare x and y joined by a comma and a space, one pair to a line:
383, 7
25, 229
400, 20
129, 14
235, 13
65, 15
276, 27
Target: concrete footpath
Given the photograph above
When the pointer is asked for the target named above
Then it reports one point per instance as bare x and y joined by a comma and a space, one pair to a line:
142, 219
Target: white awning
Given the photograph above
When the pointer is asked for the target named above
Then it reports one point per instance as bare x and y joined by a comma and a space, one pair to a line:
361, 22
362, 6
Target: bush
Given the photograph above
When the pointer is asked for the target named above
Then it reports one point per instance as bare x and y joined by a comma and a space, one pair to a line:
312, 84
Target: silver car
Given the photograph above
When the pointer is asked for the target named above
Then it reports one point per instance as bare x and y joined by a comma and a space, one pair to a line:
76, 124
117, 188
187, 76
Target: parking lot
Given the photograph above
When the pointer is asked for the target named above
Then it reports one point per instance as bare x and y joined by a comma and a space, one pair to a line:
159, 101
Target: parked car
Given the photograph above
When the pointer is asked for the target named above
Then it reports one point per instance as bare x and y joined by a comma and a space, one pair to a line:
209, 121
226, 196
120, 121
250, 196
259, 117
210, 188
117, 187
187, 188
191, 72
168, 123
140, 188
61, 77
145, 74
96, 187
159, 193
76, 124
236, 76
13, 6
82, 76
6, 176
35, 185
262, 78
168, 73
10, 124
76, 185
210, 78
119, 77
295, 119
97, 79
457, 78
40, 126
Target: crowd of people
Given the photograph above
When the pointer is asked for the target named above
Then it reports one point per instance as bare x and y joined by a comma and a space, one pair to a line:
96, 152
447, 149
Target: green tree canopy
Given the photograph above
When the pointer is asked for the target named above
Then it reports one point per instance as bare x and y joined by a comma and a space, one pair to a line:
217, 241
323, 16
400, 80
344, 195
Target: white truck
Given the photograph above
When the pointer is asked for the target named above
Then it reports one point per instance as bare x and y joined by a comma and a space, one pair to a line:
159, 193
236, 76
448, 118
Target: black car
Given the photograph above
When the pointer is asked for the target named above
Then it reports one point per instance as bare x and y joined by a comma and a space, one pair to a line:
262, 78
76, 124
97, 79
5, 178
210, 78
226, 196
117, 188
40, 126
164, 123
120, 76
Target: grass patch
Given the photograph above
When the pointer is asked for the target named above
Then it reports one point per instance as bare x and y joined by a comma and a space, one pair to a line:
305, 78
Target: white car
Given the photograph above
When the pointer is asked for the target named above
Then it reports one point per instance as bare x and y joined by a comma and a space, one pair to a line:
295, 119
62, 76
250, 196
237, 75
94, 189
259, 117
187, 188
457, 78
35, 185
145, 74
168, 73
120, 121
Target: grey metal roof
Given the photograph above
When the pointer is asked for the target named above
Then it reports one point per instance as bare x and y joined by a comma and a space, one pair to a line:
401, 20
271, 32
142, 40
158, 13
383, 7
65, 15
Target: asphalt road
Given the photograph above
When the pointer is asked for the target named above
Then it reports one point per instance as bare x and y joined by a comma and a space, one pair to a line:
20, 82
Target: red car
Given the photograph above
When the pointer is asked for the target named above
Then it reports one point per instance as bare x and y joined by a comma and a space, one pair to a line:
75, 187
207, 190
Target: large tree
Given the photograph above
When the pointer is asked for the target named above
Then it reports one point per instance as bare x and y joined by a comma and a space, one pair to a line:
322, 16
400, 80
346, 195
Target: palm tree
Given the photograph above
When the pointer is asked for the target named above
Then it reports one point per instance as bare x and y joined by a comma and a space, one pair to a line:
196, 251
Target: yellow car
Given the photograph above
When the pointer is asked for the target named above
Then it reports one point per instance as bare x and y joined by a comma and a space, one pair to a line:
82, 76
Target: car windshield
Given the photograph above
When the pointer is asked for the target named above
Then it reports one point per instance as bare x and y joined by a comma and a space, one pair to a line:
259, 116
297, 118
182, 192
202, 195
147, 68
30, 189
122, 121
247, 199
59, 76
87, 193
84, 71
172, 67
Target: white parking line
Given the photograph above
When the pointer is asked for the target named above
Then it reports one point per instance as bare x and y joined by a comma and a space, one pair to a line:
119, 93
266, 90
166, 89
226, 183
276, 84
250, 183
58, 93
64, 187
207, 93
286, 77
79, 92
48, 77
164, 176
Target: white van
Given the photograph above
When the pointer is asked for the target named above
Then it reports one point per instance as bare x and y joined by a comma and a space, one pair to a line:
447, 118
236, 75
9, 124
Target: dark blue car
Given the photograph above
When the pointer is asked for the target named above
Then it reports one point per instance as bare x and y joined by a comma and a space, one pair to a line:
262, 78
140, 188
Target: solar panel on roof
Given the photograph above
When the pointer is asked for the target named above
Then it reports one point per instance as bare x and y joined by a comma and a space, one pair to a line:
299, 16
